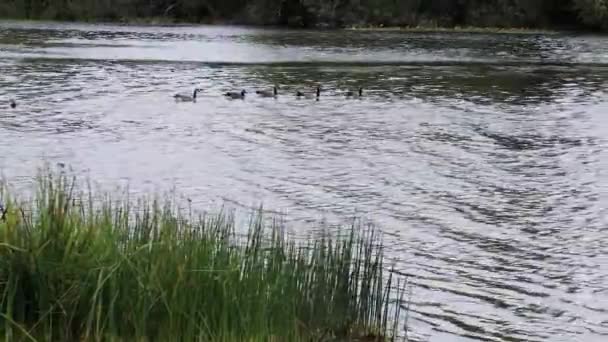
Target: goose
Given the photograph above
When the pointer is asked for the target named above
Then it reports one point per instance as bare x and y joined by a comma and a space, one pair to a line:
186, 97
12, 103
350, 93
300, 94
236, 95
267, 93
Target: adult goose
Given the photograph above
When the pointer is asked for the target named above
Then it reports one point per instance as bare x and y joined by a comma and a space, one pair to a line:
12, 103
300, 94
236, 95
268, 93
186, 97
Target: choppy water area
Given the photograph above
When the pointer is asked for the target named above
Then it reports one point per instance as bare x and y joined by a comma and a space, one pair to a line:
482, 157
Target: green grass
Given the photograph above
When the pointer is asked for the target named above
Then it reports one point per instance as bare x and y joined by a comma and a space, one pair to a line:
83, 266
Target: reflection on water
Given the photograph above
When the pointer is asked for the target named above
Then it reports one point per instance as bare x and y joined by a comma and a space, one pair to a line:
481, 156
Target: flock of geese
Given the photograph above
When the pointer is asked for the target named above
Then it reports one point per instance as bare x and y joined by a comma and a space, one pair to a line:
234, 95
274, 93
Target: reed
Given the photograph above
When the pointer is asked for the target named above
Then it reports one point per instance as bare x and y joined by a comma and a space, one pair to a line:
82, 266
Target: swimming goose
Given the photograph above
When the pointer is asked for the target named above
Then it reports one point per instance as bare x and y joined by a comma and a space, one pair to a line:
267, 93
351, 93
12, 103
186, 97
300, 94
236, 95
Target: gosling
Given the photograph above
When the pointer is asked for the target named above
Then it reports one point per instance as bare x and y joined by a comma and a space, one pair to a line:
350, 93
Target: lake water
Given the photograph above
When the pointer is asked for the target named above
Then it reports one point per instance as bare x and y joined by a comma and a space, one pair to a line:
482, 157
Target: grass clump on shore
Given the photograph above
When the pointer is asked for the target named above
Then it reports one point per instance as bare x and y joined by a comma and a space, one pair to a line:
73, 268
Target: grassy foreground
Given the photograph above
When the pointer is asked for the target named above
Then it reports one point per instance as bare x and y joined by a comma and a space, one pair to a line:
77, 268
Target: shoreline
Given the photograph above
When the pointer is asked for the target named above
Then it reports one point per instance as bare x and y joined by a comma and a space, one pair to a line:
161, 21
457, 29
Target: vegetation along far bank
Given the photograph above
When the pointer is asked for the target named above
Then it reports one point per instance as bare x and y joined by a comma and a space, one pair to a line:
547, 14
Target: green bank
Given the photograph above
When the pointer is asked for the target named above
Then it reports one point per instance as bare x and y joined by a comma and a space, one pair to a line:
87, 266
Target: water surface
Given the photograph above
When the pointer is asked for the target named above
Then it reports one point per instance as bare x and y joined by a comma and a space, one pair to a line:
482, 157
